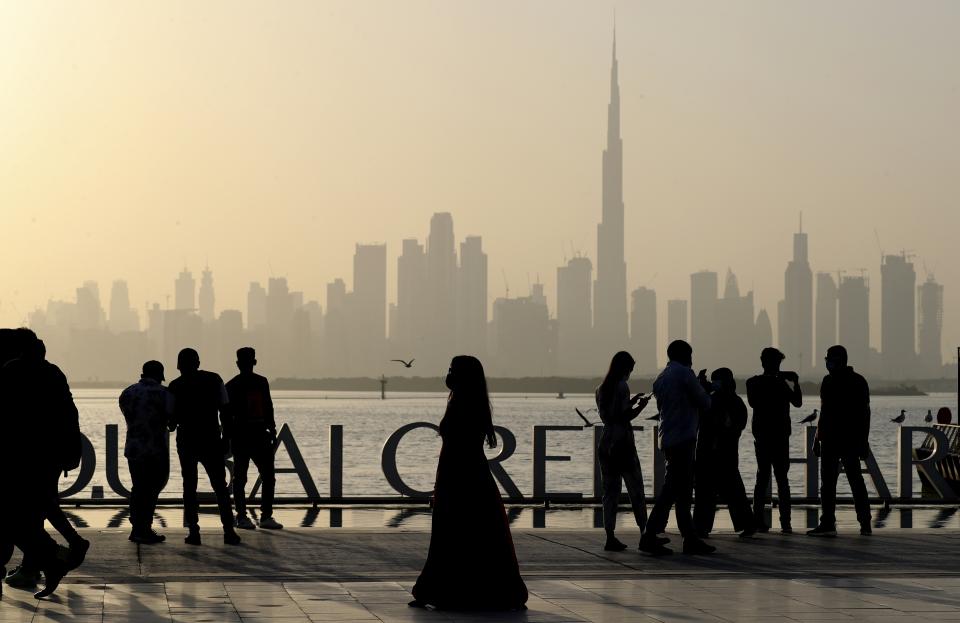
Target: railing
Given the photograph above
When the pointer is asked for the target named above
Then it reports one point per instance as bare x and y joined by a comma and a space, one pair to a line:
935, 452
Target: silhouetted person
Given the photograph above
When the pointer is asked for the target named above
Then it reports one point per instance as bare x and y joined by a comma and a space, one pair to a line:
36, 444
147, 407
718, 458
253, 436
771, 394
842, 438
617, 450
199, 407
680, 396
471, 563
64, 427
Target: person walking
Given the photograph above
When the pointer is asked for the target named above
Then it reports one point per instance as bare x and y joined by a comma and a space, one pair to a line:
842, 439
718, 459
471, 563
770, 395
680, 396
617, 448
147, 408
253, 437
200, 417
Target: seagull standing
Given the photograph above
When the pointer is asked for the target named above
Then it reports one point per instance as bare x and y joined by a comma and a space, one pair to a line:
929, 416
810, 418
900, 418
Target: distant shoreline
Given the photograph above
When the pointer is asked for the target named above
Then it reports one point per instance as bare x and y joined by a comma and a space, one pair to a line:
530, 385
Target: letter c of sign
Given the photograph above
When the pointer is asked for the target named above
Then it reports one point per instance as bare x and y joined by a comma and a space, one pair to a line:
388, 460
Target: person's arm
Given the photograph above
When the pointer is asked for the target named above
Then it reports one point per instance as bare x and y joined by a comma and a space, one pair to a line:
268, 409
865, 419
226, 415
752, 393
738, 414
796, 395
699, 396
124, 403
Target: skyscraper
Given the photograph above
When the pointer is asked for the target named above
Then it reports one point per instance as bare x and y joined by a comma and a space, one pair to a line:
440, 341
677, 320
854, 319
472, 298
185, 291
256, 306
929, 347
898, 287
643, 329
206, 296
735, 339
795, 319
412, 301
703, 318
574, 318
122, 317
610, 288
368, 317
826, 316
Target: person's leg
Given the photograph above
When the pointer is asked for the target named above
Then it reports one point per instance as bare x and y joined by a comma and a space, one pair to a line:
781, 469
217, 473
733, 491
241, 463
829, 472
657, 522
762, 484
138, 478
188, 471
263, 459
683, 460
851, 465
157, 480
704, 511
633, 476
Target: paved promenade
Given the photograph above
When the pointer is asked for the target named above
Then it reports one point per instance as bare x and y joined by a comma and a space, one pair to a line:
356, 575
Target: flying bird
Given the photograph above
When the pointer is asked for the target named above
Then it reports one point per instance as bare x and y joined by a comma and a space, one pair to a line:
586, 422
406, 364
810, 418
929, 416
900, 418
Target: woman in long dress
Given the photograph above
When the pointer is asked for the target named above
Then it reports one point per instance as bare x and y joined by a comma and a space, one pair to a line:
471, 563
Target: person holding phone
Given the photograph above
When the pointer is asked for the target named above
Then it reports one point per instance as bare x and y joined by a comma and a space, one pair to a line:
617, 449
771, 394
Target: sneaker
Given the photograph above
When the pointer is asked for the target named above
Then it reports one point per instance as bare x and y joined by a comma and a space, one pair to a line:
22, 578
763, 529
748, 534
230, 537
653, 546
696, 547
244, 522
823, 530
77, 553
866, 530
786, 530
269, 523
147, 538
194, 537
54, 572
614, 544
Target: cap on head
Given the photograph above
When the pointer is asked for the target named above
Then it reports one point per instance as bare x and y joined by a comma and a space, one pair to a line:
188, 360
772, 355
680, 351
153, 370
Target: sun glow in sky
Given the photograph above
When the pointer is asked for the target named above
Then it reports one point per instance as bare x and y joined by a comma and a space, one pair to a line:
267, 138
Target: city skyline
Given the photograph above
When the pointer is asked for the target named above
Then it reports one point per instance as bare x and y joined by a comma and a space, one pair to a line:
694, 155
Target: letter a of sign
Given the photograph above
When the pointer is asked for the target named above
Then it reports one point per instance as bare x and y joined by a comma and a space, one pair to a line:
285, 437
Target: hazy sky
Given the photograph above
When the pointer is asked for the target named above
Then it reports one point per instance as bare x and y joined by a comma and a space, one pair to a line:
266, 138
